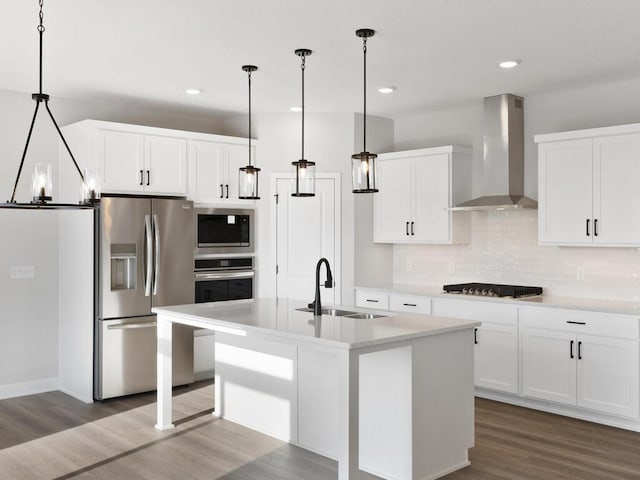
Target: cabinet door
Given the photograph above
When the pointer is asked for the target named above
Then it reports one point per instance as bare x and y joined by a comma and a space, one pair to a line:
565, 176
206, 169
409, 303
120, 156
367, 299
616, 192
165, 165
549, 365
392, 204
237, 156
608, 375
431, 186
496, 357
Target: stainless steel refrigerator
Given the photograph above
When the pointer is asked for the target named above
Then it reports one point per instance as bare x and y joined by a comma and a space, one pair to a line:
145, 260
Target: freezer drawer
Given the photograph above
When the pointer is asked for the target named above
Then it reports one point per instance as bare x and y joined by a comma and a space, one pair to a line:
126, 356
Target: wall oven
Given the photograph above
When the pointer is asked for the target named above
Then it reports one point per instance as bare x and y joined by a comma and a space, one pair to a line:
224, 231
221, 279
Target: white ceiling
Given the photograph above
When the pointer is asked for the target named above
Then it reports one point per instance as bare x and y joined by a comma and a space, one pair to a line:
438, 53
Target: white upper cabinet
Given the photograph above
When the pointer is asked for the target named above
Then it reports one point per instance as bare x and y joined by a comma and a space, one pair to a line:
136, 159
587, 187
416, 189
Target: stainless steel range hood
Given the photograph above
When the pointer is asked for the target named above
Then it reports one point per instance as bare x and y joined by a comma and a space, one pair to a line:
503, 157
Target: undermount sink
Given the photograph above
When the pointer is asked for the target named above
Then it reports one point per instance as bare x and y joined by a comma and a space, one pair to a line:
343, 313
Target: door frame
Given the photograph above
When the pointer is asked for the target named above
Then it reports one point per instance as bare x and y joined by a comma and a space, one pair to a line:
337, 227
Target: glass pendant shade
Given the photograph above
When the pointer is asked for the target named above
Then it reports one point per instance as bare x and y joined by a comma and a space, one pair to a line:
304, 178
248, 183
41, 183
90, 189
363, 171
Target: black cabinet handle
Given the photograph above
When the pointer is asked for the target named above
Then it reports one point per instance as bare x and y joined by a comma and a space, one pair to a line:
221, 191
412, 228
595, 227
148, 177
141, 177
475, 336
409, 304
227, 186
588, 220
579, 350
576, 323
571, 349
406, 228
372, 301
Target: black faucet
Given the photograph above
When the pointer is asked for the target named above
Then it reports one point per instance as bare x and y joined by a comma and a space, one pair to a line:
316, 305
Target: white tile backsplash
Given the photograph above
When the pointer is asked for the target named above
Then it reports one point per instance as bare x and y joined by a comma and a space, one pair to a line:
504, 249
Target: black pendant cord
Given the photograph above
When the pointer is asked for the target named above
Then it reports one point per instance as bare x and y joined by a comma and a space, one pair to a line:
41, 97
302, 66
249, 75
364, 109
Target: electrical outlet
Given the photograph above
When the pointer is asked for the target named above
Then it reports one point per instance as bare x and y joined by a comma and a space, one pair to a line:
22, 272
452, 267
580, 273
408, 266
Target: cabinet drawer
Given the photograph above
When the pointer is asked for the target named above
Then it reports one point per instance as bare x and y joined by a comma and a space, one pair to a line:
578, 321
475, 310
372, 299
409, 303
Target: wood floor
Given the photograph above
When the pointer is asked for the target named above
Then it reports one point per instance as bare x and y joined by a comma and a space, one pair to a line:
52, 436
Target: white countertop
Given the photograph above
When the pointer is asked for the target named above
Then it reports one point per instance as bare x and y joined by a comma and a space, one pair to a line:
575, 303
280, 318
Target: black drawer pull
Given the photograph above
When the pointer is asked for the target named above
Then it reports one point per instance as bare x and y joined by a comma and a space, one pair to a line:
406, 229
141, 177
148, 177
410, 304
595, 227
579, 350
373, 301
221, 191
227, 187
475, 336
576, 323
588, 227
571, 349
412, 228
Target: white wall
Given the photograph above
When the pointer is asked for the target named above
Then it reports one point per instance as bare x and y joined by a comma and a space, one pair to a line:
504, 246
28, 308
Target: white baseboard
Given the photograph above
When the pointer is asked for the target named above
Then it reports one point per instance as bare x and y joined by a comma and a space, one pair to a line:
41, 385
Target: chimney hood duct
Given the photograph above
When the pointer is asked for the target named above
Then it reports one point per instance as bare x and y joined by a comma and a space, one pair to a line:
503, 157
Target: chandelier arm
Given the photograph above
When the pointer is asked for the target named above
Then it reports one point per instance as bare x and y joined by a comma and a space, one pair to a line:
46, 104
24, 154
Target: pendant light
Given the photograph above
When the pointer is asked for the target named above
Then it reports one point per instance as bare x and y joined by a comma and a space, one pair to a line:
41, 180
363, 164
248, 176
304, 171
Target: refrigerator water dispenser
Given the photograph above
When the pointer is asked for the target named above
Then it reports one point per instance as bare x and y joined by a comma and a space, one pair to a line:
123, 266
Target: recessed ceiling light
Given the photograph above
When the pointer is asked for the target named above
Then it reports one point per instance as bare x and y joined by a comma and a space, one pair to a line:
193, 91
510, 63
387, 89
296, 109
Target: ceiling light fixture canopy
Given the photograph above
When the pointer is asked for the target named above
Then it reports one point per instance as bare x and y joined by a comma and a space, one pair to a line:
248, 176
363, 164
304, 171
41, 180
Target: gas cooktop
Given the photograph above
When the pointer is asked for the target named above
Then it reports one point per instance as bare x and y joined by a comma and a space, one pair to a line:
493, 290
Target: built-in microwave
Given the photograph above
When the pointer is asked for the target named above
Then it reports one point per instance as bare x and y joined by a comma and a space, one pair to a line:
224, 230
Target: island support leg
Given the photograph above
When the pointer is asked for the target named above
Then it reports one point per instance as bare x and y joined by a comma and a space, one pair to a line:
164, 353
348, 462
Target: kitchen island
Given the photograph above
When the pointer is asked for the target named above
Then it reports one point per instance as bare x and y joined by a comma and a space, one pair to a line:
382, 392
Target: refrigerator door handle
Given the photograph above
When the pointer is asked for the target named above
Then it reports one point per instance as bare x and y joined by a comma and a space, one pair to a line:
149, 253
156, 268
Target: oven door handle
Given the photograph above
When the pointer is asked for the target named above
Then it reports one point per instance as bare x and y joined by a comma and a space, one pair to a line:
222, 275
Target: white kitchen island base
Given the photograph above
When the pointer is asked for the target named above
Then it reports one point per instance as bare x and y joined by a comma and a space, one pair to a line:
391, 396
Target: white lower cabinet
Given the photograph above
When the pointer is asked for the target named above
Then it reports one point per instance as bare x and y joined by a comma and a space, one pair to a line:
568, 365
369, 299
409, 303
496, 340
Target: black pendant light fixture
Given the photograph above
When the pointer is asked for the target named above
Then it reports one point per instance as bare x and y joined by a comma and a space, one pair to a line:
41, 181
363, 164
304, 171
248, 176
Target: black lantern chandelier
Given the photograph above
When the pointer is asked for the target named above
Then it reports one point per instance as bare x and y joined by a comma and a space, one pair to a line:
248, 176
304, 171
363, 164
41, 181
